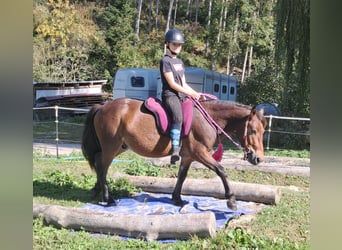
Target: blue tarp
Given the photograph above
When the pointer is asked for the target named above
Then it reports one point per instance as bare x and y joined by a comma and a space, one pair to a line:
151, 203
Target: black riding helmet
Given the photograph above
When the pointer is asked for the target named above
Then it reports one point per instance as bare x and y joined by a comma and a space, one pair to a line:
174, 36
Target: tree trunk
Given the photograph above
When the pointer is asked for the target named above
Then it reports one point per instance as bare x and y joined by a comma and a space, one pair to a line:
236, 27
157, 13
175, 14
149, 16
169, 16
225, 15
228, 64
188, 10
250, 62
220, 23
137, 22
196, 15
208, 26
244, 66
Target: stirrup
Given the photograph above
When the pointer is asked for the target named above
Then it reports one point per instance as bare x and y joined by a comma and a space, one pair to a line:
175, 156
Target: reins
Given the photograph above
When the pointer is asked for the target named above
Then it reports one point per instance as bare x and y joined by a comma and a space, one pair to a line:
211, 121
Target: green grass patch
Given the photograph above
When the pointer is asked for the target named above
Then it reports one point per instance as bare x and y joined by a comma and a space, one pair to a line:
67, 181
277, 152
288, 153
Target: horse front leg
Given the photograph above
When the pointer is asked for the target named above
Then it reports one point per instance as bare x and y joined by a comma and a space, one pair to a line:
229, 194
182, 173
212, 164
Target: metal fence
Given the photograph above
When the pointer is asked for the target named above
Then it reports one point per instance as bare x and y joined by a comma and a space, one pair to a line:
304, 131
281, 132
43, 116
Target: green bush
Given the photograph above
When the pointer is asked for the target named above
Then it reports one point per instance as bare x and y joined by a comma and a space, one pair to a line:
141, 167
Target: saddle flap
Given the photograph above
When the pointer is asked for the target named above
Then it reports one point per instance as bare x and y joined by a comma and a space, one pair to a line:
156, 107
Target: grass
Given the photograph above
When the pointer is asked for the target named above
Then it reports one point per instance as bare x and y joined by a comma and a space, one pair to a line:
67, 182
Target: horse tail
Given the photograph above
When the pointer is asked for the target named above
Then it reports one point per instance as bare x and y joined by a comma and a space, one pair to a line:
90, 143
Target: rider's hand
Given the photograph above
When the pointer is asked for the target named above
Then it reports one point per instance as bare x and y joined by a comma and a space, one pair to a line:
196, 95
202, 97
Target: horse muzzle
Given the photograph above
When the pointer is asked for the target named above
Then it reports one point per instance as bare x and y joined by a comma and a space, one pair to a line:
252, 157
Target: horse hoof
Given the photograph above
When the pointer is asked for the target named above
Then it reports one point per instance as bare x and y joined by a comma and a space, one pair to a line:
103, 203
231, 205
107, 203
179, 203
94, 192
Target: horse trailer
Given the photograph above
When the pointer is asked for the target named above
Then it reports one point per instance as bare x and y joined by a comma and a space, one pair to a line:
140, 83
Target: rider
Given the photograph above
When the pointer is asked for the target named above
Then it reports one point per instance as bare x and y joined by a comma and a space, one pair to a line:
175, 88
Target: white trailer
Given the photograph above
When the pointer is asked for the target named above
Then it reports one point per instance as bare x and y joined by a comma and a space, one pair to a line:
142, 83
223, 86
136, 83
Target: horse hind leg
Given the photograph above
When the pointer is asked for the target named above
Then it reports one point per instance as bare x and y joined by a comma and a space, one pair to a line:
101, 184
103, 161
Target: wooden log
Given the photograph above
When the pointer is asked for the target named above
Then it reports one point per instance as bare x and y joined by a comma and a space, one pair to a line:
266, 194
149, 227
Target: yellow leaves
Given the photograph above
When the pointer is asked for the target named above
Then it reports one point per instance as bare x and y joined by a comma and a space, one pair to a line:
63, 37
44, 29
60, 4
58, 25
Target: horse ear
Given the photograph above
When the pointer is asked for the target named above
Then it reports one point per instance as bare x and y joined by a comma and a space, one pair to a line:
262, 111
253, 111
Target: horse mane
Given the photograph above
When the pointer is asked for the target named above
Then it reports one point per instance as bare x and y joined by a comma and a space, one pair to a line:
224, 104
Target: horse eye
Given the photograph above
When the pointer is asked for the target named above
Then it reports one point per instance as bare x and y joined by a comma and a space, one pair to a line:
253, 131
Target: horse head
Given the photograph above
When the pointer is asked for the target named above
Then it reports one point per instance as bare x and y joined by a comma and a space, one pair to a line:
253, 136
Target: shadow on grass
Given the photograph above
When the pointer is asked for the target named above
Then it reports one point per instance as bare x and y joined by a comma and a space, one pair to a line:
68, 192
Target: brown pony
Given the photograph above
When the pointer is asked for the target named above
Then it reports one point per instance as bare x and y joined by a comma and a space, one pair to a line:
124, 123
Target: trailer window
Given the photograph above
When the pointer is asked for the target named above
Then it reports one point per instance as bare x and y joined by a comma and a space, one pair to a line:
216, 87
137, 81
232, 90
224, 89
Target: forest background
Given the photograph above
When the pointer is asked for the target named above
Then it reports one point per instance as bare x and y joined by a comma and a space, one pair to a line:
265, 43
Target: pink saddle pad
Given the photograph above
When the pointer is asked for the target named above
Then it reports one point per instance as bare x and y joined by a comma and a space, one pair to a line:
162, 119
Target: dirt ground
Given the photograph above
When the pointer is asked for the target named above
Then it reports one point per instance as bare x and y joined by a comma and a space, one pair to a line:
282, 165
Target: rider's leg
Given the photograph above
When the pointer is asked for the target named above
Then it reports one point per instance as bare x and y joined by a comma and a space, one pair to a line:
174, 107
175, 139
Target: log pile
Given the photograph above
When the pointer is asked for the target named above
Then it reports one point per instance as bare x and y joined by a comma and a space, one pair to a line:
157, 227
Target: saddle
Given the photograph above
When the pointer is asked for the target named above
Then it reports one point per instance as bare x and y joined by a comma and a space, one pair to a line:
162, 118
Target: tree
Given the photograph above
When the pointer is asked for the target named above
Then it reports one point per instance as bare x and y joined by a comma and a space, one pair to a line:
96, 38
265, 85
61, 43
117, 22
293, 53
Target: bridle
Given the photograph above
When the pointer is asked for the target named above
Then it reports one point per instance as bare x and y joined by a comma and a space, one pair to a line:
246, 149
